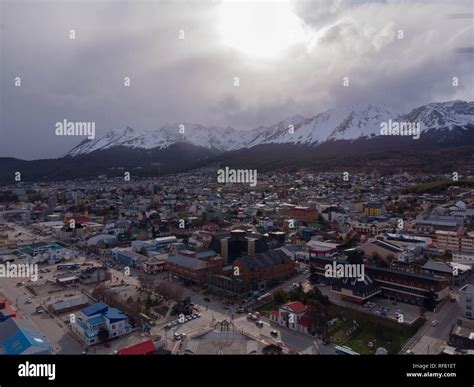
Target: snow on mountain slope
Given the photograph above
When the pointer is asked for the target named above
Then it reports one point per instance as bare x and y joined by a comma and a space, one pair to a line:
347, 123
447, 115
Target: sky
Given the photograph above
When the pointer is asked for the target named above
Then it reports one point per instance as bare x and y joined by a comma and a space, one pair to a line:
183, 58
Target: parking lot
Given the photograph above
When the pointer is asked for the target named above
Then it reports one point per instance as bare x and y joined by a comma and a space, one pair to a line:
382, 307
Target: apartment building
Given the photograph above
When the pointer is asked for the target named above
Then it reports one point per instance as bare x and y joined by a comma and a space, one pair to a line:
455, 241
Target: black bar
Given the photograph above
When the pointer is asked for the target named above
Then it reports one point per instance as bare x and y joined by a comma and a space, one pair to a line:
228, 369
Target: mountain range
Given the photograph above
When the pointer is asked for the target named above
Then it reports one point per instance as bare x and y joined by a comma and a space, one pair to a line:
348, 123
347, 137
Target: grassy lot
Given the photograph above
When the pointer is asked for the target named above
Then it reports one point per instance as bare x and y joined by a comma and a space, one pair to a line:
380, 331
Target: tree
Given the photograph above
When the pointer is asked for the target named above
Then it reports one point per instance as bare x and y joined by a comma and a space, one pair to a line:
103, 334
279, 297
148, 303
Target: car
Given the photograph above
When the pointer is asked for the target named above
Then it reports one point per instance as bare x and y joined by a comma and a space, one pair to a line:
274, 333
179, 336
240, 310
198, 315
168, 326
28, 301
434, 323
207, 299
259, 323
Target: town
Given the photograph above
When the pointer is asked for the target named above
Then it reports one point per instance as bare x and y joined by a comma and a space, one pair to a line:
185, 264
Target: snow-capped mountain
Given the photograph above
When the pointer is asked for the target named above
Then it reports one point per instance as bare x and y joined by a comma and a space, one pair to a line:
447, 115
347, 123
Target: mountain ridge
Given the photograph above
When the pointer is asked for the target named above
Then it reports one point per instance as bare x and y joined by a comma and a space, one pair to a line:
345, 123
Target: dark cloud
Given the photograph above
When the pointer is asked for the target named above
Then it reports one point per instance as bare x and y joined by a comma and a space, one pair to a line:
191, 80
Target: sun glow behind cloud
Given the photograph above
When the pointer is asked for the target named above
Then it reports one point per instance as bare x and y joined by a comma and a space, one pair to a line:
259, 29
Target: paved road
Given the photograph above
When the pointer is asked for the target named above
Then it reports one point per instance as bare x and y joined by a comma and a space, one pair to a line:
432, 338
52, 328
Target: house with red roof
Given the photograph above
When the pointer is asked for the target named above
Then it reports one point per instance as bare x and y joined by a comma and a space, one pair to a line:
293, 316
144, 348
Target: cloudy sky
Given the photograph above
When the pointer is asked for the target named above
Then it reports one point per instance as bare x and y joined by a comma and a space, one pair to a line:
290, 58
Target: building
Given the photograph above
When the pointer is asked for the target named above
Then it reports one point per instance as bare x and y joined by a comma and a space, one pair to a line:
456, 273
69, 304
374, 209
353, 290
401, 285
385, 250
303, 214
100, 317
413, 288
265, 269
164, 242
6, 310
67, 280
193, 269
144, 348
372, 229
228, 285
462, 335
333, 213
19, 336
324, 249
94, 275
466, 301
155, 264
129, 257
37, 248
292, 316
431, 223
233, 244
455, 241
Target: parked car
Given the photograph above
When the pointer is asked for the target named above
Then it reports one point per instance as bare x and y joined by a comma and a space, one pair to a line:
274, 333
259, 323
179, 336
207, 299
434, 323
28, 301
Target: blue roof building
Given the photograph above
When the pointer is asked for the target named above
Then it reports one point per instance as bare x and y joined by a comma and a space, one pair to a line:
20, 337
100, 316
